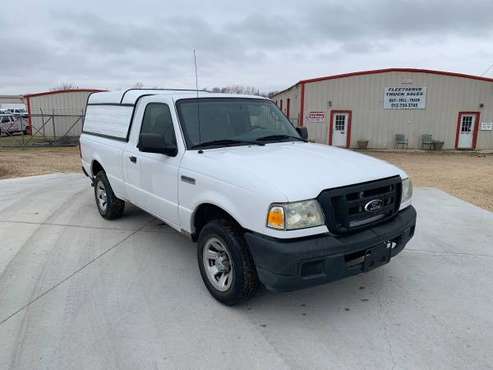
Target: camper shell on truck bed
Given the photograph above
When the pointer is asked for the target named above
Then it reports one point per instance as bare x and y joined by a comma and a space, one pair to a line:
263, 203
110, 114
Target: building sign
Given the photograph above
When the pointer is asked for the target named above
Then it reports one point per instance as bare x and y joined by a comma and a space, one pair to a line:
486, 126
404, 98
315, 117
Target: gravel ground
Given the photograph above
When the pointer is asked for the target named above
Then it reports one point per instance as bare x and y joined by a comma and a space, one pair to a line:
468, 176
38, 161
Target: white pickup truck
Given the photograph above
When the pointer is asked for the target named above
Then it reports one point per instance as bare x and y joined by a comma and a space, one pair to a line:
232, 172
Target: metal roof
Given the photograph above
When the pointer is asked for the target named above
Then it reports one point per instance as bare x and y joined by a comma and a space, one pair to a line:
62, 92
388, 70
11, 99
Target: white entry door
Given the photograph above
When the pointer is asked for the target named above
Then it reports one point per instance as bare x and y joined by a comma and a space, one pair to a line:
340, 129
466, 130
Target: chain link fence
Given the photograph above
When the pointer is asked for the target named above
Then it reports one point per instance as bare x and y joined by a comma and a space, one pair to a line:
40, 130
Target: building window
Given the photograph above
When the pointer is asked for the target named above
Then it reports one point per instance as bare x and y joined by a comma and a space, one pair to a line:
466, 124
340, 122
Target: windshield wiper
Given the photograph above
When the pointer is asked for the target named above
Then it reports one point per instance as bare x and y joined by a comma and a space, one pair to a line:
280, 137
225, 142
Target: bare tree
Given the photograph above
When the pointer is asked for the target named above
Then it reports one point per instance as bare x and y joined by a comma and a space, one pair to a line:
237, 89
138, 85
65, 86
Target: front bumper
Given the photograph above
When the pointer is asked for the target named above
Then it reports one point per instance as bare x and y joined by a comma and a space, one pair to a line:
290, 264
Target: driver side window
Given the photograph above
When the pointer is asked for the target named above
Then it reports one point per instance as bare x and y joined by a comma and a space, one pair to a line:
157, 120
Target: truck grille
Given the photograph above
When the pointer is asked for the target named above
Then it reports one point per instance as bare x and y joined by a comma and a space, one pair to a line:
355, 207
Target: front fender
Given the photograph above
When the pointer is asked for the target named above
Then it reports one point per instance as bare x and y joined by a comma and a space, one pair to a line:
248, 208
187, 214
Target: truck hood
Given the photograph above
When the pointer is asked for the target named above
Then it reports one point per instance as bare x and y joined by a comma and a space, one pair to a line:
294, 170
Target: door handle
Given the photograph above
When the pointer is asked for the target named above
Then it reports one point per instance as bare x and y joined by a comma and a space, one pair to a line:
133, 159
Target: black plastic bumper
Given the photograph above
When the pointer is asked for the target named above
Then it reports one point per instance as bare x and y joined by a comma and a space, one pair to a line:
290, 264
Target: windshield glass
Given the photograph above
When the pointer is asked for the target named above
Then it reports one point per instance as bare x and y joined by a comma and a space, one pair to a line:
236, 120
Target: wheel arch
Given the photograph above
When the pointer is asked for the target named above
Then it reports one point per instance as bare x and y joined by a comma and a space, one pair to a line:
206, 212
96, 166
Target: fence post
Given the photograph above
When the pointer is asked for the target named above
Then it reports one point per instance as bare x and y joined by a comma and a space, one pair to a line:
22, 130
53, 123
42, 122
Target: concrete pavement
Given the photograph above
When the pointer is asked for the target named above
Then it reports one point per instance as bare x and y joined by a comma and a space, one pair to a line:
80, 292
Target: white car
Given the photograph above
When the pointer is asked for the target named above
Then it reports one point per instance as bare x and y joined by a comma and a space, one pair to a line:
16, 112
10, 125
231, 172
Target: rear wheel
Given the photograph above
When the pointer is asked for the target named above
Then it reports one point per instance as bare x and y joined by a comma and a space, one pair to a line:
109, 206
225, 263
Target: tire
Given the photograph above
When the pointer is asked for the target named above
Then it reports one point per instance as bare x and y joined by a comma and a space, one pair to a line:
109, 206
242, 282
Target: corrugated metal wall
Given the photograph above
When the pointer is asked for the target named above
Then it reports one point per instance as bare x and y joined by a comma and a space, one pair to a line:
364, 96
60, 103
294, 96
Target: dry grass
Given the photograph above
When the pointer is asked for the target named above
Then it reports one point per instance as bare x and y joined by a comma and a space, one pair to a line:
38, 161
468, 176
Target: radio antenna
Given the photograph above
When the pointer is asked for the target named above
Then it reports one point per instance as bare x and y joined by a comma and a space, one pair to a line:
196, 74
487, 70
197, 90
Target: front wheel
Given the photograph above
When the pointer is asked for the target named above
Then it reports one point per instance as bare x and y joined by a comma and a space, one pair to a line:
225, 264
109, 206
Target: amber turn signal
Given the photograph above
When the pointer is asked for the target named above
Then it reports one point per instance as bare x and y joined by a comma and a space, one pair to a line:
275, 218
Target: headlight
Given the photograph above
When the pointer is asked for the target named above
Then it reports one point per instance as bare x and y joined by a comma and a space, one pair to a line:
407, 190
296, 215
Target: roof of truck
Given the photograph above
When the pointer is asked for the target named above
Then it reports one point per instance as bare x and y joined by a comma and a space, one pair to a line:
130, 96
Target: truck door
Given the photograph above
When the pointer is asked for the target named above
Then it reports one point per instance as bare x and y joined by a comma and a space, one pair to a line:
152, 178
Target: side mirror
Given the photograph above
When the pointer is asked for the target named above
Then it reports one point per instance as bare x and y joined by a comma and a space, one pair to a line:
155, 143
303, 131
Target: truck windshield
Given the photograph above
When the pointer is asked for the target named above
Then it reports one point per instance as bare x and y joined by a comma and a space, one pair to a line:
216, 122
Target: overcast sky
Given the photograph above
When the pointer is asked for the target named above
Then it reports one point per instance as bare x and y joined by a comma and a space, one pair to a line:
266, 44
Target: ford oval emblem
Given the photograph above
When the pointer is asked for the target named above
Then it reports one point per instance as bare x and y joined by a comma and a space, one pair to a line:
373, 205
